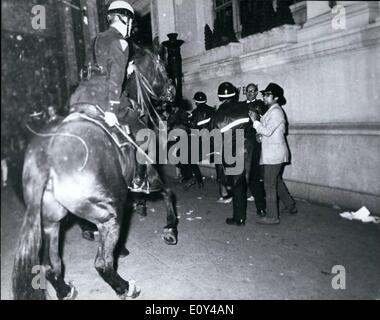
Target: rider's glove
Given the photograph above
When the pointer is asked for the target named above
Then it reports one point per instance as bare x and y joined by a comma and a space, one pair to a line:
131, 68
110, 119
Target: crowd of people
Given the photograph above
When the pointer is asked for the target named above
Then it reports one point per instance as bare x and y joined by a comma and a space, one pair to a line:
266, 151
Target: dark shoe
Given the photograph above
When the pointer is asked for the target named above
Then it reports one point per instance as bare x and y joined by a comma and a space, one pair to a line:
268, 221
232, 221
261, 213
290, 210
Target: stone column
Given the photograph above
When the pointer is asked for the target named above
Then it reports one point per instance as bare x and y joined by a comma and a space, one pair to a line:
69, 47
92, 16
86, 29
154, 17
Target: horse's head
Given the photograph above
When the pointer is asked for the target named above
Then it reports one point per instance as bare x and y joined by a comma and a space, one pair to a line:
151, 68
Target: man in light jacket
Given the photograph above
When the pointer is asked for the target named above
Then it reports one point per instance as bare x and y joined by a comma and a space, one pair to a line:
274, 153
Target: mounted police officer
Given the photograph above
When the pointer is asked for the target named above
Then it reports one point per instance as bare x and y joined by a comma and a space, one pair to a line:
110, 60
107, 72
233, 115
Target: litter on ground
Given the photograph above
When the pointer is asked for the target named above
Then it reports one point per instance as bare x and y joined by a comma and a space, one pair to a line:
362, 215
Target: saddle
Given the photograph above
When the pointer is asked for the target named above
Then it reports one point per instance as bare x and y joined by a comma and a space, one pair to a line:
120, 135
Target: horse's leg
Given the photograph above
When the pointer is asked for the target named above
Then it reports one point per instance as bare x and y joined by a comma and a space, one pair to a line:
170, 231
53, 213
109, 232
53, 263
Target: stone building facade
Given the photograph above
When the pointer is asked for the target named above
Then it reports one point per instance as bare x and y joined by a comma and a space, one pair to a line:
329, 66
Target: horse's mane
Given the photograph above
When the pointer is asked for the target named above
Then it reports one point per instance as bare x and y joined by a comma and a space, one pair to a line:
139, 86
139, 51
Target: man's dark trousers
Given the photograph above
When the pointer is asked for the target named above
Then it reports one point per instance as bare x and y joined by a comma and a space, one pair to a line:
256, 185
275, 186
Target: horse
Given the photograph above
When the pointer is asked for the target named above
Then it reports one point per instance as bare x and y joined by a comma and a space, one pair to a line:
74, 167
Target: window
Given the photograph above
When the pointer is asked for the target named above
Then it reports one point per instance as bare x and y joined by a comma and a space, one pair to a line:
224, 31
239, 18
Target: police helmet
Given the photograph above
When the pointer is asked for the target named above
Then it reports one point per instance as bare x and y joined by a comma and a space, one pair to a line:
200, 97
121, 7
226, 90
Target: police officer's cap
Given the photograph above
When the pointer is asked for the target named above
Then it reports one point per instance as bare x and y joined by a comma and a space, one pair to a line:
200, 97
122, 7
226, 90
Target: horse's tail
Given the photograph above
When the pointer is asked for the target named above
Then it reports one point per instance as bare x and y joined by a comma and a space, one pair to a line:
28, 278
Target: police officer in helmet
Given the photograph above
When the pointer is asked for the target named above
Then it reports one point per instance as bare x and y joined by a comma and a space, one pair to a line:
233, 115
201, 115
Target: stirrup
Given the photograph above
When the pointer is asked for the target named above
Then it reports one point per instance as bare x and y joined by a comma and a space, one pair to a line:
145, 187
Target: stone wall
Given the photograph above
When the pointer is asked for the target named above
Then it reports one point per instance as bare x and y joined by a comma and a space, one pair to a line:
331, 78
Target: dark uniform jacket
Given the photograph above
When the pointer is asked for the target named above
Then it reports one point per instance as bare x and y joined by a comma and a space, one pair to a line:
233, 115
201, 117
110, 61
230, 116
181, 119
257, 106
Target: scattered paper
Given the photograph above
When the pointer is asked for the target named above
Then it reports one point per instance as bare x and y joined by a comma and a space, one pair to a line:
362, 215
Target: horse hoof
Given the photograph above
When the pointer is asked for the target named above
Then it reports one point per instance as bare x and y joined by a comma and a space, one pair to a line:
73, 293
133, 292
170, 240
170, 237
123, 253
90, 235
